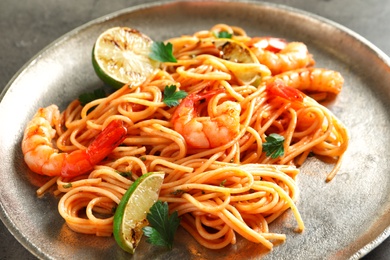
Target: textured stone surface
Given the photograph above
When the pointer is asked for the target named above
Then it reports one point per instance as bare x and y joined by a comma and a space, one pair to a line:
26, 27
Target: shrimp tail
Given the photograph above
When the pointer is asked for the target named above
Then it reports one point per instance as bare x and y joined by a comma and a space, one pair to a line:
278, 88
82, 161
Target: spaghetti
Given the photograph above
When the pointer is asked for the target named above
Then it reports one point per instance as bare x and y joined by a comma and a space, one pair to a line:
225, 186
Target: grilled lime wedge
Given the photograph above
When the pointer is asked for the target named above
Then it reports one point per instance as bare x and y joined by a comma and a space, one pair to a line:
121, 56
130, 216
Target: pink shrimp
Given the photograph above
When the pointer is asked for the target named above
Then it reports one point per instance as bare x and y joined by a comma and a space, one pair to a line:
206, 132
271, 44
280, 56
312, 80
279, 89
41, 157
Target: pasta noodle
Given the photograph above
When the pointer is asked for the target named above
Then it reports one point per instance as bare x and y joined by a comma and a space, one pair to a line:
219, 190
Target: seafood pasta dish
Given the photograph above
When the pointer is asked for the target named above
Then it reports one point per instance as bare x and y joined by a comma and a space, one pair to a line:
228, 118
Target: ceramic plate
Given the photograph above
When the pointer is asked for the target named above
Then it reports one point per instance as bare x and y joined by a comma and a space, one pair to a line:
345, 218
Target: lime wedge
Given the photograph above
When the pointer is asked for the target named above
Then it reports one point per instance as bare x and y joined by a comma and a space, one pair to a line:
121, 56
239, 59
130, 216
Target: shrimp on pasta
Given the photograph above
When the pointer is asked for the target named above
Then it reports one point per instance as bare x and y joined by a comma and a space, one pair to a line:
206, 132
312, 80
280, 56
42, 158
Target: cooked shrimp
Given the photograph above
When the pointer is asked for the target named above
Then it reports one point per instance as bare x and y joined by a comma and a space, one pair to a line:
312, 80
42, 158
278, 88
206, 132
280, 56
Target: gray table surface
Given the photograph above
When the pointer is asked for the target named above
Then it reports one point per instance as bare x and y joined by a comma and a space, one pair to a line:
26, 27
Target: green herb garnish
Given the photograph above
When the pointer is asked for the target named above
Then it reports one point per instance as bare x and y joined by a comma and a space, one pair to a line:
171, 96
162, 52
126, 174
162, 226
274, 145
178, 192
222, 184
67, 186
223, 34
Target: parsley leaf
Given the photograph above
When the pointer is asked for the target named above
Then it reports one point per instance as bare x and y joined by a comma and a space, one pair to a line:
162, 52
274, 145
88, 97
126, 174
171, 96
178, 192
223, 34
162, 226
67, 186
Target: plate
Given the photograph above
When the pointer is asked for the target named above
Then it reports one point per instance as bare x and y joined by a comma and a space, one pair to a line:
345, 218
